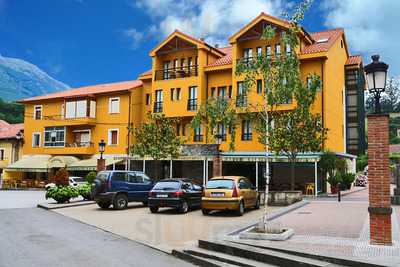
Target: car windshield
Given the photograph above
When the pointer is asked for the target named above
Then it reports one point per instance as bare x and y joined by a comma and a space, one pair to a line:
102, 176
78, 179
220, 184
167, 185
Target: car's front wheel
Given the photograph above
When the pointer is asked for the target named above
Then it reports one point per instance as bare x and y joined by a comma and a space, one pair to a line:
154, 209
104, 205
120, 202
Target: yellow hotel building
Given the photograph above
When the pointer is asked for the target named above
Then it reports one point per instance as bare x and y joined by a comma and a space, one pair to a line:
63, 129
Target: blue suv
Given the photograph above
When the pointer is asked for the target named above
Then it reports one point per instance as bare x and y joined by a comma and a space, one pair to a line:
117, 188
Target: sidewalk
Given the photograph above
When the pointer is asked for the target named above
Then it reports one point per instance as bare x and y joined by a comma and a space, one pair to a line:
329, 228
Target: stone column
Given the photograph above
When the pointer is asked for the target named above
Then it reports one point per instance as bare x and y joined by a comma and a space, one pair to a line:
379, 180
217, 165
101, 165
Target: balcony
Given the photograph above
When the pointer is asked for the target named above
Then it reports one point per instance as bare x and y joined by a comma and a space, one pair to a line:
247, 136
61, 121
241, 101
76, 148
198, 138
192, 104
176, 73
158, 107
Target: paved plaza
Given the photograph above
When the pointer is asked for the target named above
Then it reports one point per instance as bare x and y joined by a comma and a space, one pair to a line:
326, 227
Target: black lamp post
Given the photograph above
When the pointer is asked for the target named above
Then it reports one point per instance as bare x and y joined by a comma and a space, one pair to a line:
376, 73
102, 148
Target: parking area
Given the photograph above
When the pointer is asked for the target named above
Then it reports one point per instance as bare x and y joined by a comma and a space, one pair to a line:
13, 199
166, 229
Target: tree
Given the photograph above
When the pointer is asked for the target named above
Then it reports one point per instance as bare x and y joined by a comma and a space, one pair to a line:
390, 99
214, 112
157, 139
282, 82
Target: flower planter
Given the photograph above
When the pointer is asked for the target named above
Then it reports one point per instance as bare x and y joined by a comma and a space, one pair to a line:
334, 189
61, 200
253, 234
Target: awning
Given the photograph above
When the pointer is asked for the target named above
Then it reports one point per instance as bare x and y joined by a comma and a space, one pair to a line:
61, 161
90, 164
35, 163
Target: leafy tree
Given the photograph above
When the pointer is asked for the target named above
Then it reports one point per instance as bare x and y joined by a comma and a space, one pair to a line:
90, 177
157, 139
282, 81
217, 111
11, 112
61, 177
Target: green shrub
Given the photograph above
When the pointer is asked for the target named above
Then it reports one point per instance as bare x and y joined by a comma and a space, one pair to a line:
327, 162
61, 177
85, 191
90, 177
62, 194
335, 179
362, 162
348, 179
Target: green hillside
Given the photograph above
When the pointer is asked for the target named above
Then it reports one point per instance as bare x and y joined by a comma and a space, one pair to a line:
11, 112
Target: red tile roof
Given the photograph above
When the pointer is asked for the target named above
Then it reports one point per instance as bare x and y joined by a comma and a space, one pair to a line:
8, 131
89, 90
225, 60
317, 47
354, 60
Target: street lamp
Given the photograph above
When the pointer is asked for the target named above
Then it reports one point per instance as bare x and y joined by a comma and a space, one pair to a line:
19, 136
376, 73
102, 148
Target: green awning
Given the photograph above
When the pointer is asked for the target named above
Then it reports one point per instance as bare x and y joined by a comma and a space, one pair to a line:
61, 161
90, 164
35, 163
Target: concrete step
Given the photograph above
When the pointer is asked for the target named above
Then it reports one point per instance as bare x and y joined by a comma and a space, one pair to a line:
200, 261
261, 255
222, 257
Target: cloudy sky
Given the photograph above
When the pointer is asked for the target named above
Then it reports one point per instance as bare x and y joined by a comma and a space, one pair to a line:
83, 42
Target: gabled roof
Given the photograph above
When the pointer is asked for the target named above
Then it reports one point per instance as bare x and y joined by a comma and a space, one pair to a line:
8, 131
198, 42
354, 60
329, 35
88, 91
273, 20
225, 60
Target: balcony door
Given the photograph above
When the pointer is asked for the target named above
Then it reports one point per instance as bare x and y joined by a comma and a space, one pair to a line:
82, 138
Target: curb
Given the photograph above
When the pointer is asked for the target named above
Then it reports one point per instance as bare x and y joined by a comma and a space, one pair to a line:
273, 215
23, 189
69, 205
335, 196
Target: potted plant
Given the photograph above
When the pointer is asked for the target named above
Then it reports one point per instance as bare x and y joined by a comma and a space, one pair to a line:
62, 194
334, 180
348, 179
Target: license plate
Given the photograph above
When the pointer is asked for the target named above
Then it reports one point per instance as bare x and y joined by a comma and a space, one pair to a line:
162, 195
217, 194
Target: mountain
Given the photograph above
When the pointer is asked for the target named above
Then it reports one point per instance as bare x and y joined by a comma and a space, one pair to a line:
20, 79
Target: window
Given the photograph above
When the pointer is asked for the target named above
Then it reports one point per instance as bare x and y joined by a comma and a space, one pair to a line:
192, 101
80, 109
288, 49
176, 63
148, 99
198, 134
36, 140
182, 63
158, 105
259, 86
183, 130
277, 50
259, 51
247, 53
113, 105
230, 91
309, 82
178, 93
221, 130
166, 70
172, 94
1, 154
212, 91
246, 130
54, 136
113, 137
190, 62
62, 111
119, 176
178, 129
222, 92
268, 51
37, 114
241, 98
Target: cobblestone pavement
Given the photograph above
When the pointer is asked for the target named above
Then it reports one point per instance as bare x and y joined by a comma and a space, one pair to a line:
326, 227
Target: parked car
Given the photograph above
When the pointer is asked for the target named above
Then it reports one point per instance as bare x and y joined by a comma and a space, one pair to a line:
117, 188
229, 193
180, 194
361, 180
72, 180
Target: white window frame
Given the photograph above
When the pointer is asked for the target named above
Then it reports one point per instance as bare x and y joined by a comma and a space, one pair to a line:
44, 137
110, 137
41, 112
110, 100
40, 139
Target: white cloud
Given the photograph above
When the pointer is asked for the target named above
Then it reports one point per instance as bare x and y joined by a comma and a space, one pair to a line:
371, 27
210, 19
134, 36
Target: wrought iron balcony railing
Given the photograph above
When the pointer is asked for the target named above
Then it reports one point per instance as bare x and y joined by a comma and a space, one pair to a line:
158, 107
247, 136
192, 104
241, 101
175, 73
